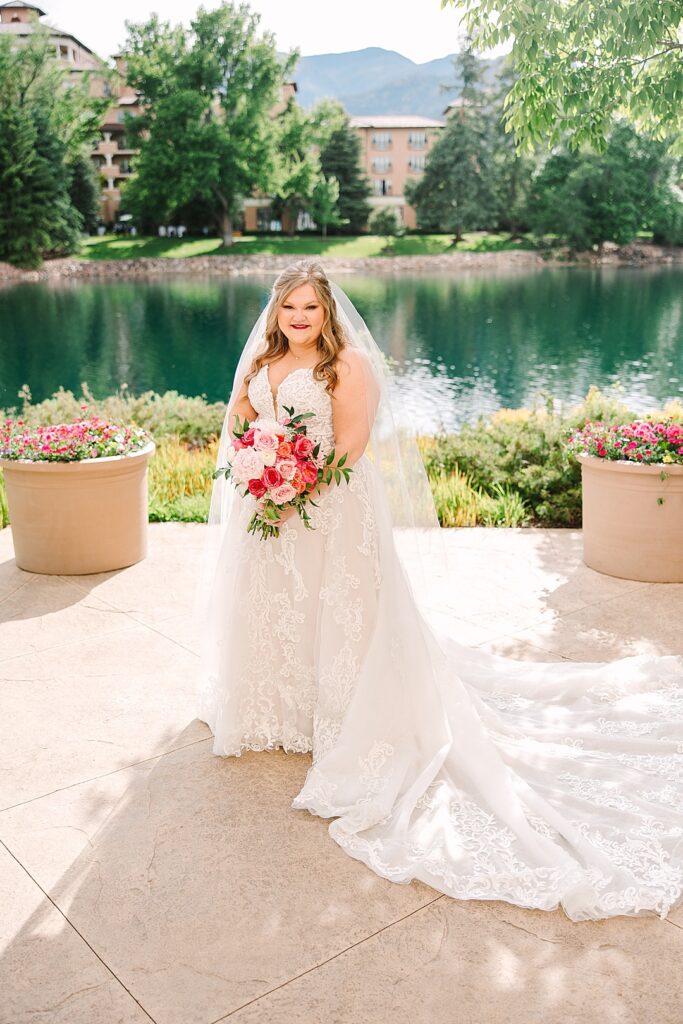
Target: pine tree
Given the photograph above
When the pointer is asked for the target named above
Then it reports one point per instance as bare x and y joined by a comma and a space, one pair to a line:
43, 127
85, 191
458, 191
340, 158
36, 215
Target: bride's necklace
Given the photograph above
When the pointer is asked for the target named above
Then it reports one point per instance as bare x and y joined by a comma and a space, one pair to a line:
298, 358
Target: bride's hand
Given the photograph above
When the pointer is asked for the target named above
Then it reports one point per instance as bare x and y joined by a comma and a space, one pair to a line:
285, 514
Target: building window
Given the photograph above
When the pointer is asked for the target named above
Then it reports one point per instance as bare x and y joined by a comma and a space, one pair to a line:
416, 163
381, 163
417, 140
64, 52
381, 140
382, 186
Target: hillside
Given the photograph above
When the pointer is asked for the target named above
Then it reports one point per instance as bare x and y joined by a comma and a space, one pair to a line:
378, 81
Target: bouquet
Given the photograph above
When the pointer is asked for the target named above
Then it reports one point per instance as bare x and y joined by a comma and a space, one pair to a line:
276, 463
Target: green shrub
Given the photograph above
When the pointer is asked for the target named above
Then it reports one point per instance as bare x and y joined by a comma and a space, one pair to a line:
507, 469
193, 420
520, 452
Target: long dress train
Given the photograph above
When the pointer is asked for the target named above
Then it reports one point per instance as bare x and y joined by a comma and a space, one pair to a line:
540, 783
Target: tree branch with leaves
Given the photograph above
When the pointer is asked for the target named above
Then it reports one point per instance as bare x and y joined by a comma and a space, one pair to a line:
579, 64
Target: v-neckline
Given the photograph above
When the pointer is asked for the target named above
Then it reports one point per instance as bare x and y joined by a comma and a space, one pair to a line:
274, 397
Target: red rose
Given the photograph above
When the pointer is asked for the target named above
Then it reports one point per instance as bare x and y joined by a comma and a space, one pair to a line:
271, 476
248, 437
257, 488
303, 446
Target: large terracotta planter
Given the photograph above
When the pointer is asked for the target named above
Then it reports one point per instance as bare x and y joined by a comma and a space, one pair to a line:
627, 532
78, 517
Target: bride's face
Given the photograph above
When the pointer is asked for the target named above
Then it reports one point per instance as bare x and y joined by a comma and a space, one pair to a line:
300, 317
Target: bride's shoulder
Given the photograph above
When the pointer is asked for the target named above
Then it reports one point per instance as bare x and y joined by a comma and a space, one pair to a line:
351, 362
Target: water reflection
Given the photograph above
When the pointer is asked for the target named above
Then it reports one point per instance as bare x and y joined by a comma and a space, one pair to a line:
463, 344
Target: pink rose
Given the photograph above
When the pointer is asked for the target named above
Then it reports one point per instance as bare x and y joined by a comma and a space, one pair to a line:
248, 436
271, 477
287, 468
285, 492
265, 442
303, 446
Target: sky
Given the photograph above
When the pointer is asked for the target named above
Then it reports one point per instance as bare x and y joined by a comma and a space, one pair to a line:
418, 29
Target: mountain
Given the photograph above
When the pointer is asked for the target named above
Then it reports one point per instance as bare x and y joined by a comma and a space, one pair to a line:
378, 81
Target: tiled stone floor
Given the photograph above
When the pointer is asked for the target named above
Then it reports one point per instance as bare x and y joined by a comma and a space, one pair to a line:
144, 879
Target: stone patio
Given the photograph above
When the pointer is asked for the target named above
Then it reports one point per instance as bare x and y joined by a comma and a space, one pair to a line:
144, 879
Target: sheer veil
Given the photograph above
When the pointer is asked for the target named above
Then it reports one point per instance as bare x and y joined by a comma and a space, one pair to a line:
392, 446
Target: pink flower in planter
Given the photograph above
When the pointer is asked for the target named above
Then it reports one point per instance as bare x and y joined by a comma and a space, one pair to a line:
70, 442
639, 441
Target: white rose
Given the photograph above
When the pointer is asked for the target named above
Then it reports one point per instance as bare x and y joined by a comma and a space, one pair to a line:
269, 458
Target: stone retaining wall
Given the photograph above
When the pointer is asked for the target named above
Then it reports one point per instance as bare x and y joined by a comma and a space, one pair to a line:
265, 263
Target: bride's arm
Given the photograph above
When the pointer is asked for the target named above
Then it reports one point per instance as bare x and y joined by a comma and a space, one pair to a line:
241, 407
352, 406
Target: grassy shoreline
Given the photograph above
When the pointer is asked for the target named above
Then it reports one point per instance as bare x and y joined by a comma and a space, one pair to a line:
113, 247
507, 469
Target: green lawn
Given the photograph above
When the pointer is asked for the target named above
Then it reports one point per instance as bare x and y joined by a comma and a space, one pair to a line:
112, 247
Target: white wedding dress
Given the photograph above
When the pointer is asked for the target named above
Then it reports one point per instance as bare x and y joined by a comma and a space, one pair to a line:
540, 783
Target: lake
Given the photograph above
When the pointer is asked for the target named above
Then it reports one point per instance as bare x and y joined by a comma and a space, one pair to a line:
464, 343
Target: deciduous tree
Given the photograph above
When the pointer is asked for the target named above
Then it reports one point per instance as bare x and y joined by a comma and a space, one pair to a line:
206, 132
580, 63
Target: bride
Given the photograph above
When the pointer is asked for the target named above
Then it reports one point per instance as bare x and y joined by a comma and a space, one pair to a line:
543, 784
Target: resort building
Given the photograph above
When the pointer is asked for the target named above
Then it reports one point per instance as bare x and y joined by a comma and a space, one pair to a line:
394, 150
113, 154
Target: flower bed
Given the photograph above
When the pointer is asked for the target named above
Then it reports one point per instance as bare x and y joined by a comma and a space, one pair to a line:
644, 441
91, 438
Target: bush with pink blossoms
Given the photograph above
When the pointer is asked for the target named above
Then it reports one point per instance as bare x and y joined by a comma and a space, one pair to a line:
644, 441
91, 438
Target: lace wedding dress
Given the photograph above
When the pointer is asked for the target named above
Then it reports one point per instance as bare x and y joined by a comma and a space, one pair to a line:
540, 783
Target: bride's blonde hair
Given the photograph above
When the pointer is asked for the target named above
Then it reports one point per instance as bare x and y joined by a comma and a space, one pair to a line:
332, 338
